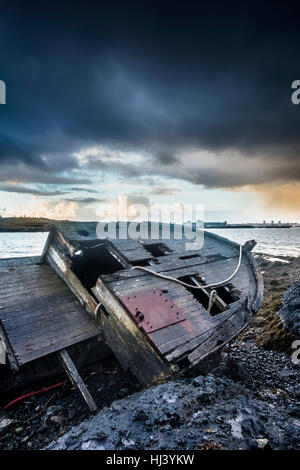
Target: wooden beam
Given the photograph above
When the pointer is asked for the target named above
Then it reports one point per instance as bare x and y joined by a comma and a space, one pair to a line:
8, 350
58, 260
217, 299
75, 378
129, 344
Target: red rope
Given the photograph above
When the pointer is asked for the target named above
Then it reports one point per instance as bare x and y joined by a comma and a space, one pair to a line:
31, 394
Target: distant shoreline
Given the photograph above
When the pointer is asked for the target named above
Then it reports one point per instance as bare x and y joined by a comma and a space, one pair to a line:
36, 224
25, 224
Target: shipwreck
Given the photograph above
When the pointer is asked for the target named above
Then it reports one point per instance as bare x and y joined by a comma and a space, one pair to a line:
161, 310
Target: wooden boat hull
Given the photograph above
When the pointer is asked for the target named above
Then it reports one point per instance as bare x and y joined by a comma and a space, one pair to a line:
100, 274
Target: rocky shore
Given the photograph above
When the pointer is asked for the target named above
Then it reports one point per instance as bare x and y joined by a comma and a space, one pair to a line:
246, 405
267, 330
249, 402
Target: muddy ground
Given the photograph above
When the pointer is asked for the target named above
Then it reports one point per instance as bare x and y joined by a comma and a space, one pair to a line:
249, 402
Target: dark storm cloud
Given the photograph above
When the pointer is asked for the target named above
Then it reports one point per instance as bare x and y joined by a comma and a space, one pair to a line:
154, 79
167, 158
85, 200
86, 190
24, 190
26, 173
164, 191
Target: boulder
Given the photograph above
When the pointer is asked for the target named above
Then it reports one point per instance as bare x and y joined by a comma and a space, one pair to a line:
289, 311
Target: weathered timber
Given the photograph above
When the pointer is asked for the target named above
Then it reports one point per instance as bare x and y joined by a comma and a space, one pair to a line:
43, 317
127, 341
102, 275
75, 378
198, 332
58, 256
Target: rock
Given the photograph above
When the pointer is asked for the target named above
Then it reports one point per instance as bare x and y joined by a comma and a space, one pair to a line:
57, 419
237, 371
210, 431
290, 310
72, 413
101, 435
212, 411
91, 445
262, 443
209, 445
5, 423
264, 263
297, 391
256, 444
128, 443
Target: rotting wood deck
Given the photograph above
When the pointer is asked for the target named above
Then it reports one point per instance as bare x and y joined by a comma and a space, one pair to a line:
39, 315
199, 333
175, 344
49, 318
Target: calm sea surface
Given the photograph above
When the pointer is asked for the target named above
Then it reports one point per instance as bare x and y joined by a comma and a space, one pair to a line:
17, 245
274, 242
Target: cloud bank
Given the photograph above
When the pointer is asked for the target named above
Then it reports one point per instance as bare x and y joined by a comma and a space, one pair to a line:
202, 93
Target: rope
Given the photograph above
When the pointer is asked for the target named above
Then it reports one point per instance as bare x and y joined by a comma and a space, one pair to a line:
192, 286
97, 309
212, 297
31, 394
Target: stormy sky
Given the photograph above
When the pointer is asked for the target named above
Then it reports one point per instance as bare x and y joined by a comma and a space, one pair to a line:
174, 102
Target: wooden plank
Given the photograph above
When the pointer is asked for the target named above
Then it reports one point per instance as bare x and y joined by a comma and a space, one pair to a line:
136, 255
40, 315
126, 245
24, 261
146, 357
222, 334
166, 263
128, 343
52, 345
213, 273
196, 265
59, 263
80, 231
75, 378
175, 349
9, 352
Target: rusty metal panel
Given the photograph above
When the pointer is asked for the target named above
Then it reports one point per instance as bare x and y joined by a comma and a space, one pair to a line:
152, 309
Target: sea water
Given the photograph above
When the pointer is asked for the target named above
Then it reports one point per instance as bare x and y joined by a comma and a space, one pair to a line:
271, 241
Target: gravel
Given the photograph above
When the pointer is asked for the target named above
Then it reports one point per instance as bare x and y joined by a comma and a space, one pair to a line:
251, 401
240, 406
